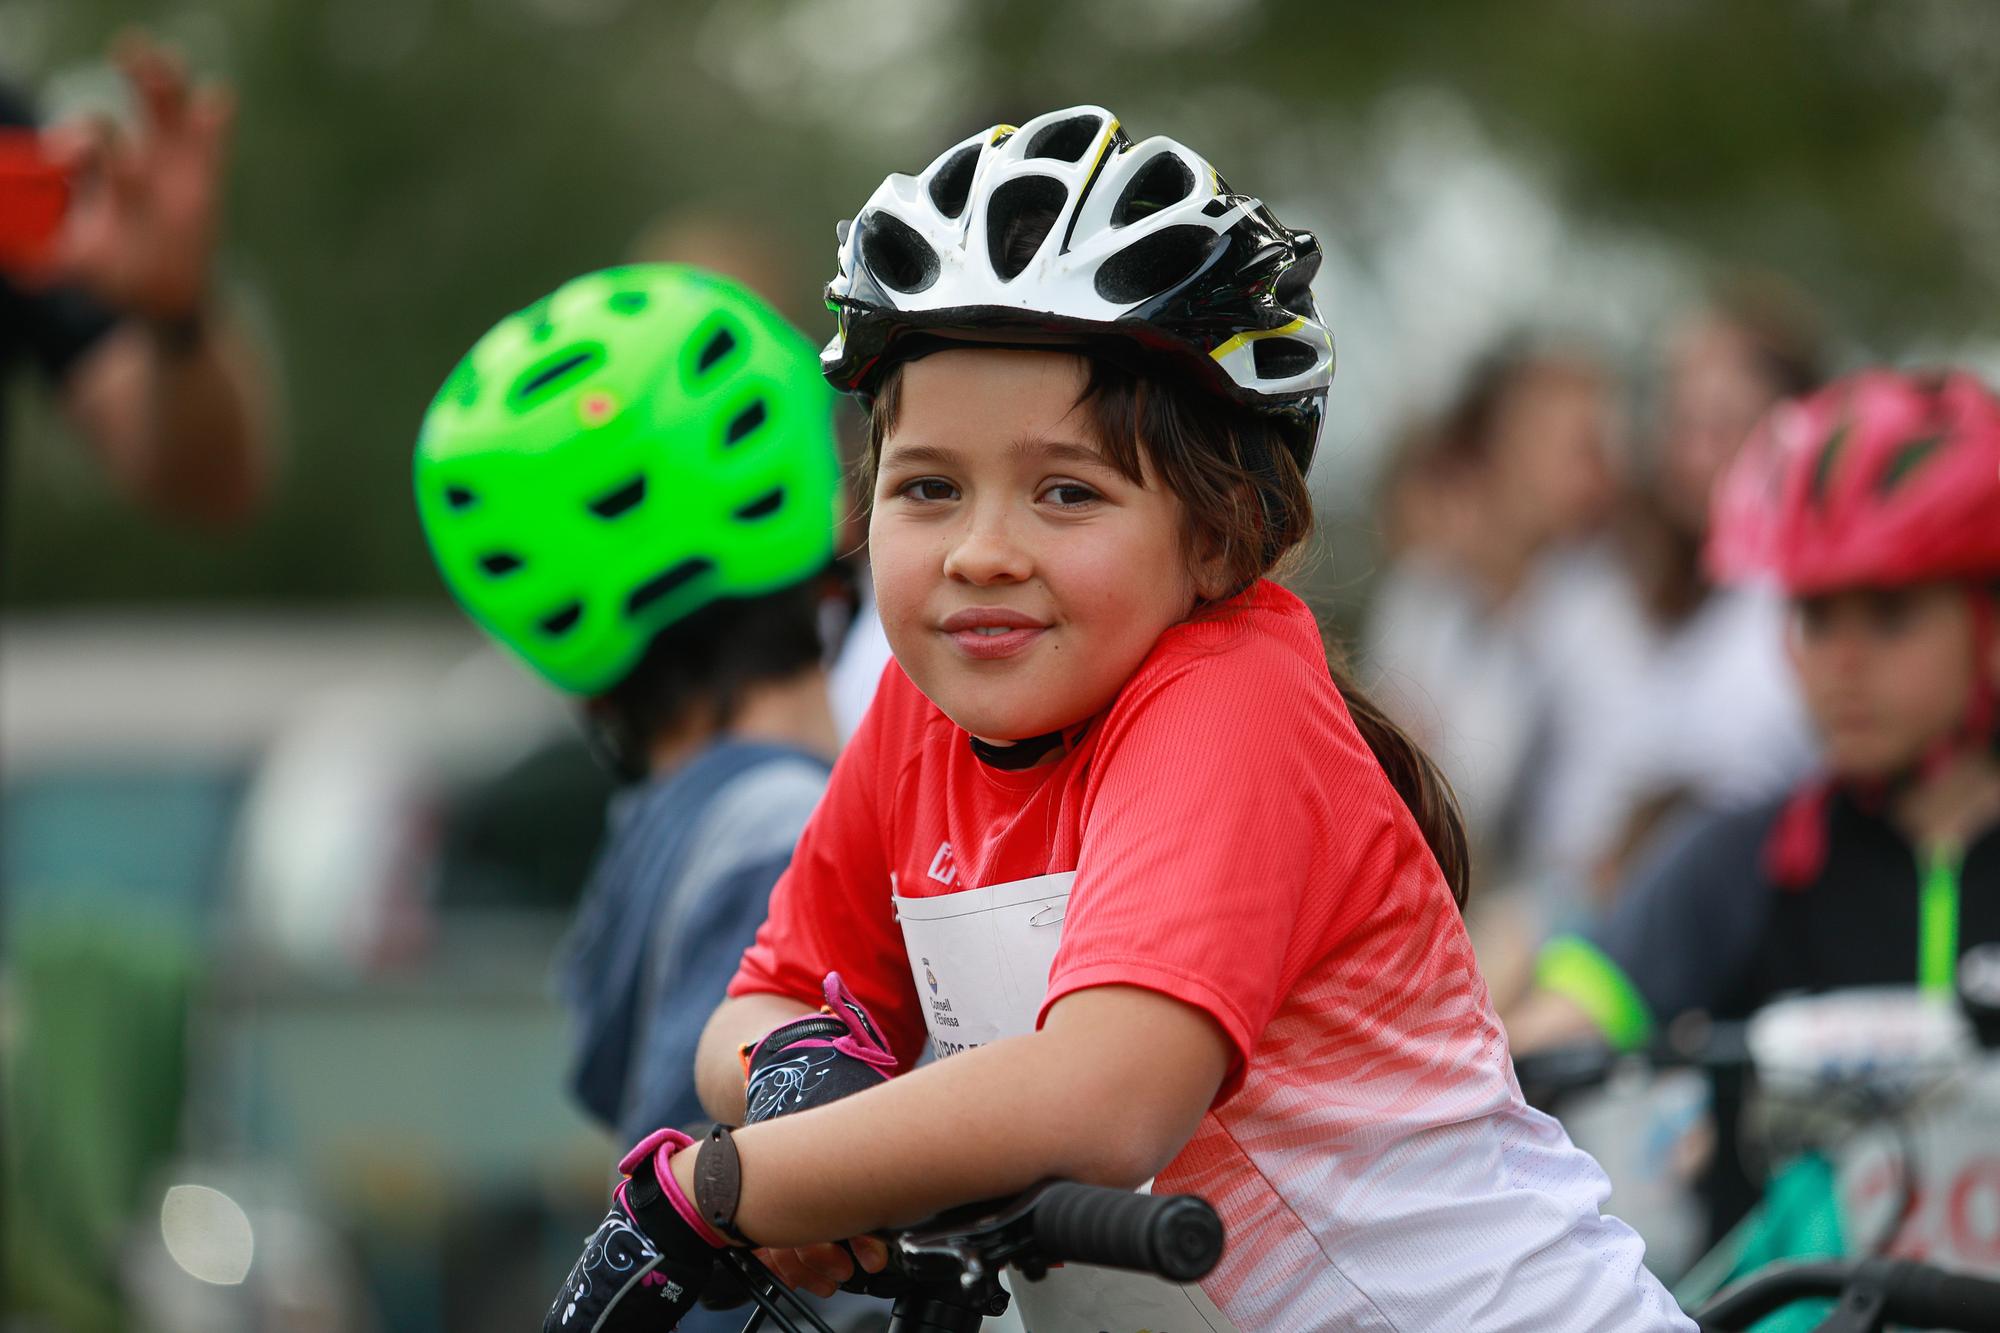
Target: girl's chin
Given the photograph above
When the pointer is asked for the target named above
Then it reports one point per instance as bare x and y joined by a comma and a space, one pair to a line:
999, 732
1000, 728
999, 709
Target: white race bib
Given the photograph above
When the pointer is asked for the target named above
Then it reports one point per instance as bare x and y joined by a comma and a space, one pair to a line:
981, 960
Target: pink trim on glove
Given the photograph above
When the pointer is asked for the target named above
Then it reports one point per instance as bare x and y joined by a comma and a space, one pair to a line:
660, 1146
861, 1040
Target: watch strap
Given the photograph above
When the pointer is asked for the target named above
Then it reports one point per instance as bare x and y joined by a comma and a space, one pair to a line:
718, 1183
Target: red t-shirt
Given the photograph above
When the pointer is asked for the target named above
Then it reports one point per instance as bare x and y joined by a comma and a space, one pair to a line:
1237, 847
1226, 822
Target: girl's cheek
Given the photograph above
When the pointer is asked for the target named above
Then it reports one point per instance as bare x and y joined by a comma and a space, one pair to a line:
896, 561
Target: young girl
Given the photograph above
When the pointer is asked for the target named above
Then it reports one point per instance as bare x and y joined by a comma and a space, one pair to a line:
1168, 904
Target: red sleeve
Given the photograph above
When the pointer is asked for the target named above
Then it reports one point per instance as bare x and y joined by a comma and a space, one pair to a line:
832, 909
1235, 807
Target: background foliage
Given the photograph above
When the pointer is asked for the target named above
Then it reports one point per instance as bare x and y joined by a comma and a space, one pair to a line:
408, 170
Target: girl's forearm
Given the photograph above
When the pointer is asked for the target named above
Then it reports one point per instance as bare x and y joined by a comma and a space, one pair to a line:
971, 1127
1096, 1103
718, 1068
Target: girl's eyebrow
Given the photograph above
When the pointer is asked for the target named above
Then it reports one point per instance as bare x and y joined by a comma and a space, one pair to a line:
906, 455
1061, 451
1054, 451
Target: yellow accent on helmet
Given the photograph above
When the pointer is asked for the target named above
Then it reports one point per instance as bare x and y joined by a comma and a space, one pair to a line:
1243, 340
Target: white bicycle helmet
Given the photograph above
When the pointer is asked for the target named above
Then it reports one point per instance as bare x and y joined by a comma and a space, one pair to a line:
1066, 227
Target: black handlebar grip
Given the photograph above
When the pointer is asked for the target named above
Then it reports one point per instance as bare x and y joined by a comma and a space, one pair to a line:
1927, 1297
1175, 1236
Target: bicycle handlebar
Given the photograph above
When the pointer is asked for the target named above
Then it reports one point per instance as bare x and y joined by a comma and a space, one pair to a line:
1176, 1236
1873, 1293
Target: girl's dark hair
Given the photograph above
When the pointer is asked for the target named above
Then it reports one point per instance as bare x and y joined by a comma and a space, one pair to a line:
700, 666
1249, 513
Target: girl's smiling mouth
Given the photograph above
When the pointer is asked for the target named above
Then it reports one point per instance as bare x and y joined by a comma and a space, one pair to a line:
988, 632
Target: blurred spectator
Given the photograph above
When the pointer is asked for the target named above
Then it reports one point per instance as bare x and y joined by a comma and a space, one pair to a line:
1675, 692
115, 309
1487, 512
119, 314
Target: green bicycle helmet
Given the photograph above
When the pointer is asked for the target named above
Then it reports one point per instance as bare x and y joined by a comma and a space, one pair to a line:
642, 442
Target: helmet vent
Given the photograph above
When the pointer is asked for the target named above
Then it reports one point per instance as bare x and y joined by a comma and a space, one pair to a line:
1019, 218
499, 564
560, 622
1217, 206
1822, 475
614, 503
566, 367
1282, 358
1293, 289
743, 423
1154, 264
1907, 460
1066, 140
653, 589
762, 507
458, 497
628, 303
720, 345
953, 182
1162, 182
896, 255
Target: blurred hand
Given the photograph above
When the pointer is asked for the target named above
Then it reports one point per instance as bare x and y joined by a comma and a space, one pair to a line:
141, 230
820, 1269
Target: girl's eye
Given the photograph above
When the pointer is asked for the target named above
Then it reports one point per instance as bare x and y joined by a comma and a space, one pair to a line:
1069, 495
928, 488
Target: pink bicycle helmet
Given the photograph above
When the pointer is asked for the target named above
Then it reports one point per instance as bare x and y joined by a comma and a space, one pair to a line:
1877, 480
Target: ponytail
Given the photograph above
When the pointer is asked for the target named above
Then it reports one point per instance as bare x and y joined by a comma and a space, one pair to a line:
1414, 775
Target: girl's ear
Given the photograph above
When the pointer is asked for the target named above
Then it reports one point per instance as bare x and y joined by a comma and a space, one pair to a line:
1217, 565
1210, 573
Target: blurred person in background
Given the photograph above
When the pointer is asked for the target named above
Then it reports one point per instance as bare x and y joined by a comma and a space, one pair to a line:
1876, 502
109, 294
1675, 692
1485, 508
117, 308
633, 485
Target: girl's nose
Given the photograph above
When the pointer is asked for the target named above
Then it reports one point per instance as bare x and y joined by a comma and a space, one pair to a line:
983, 552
